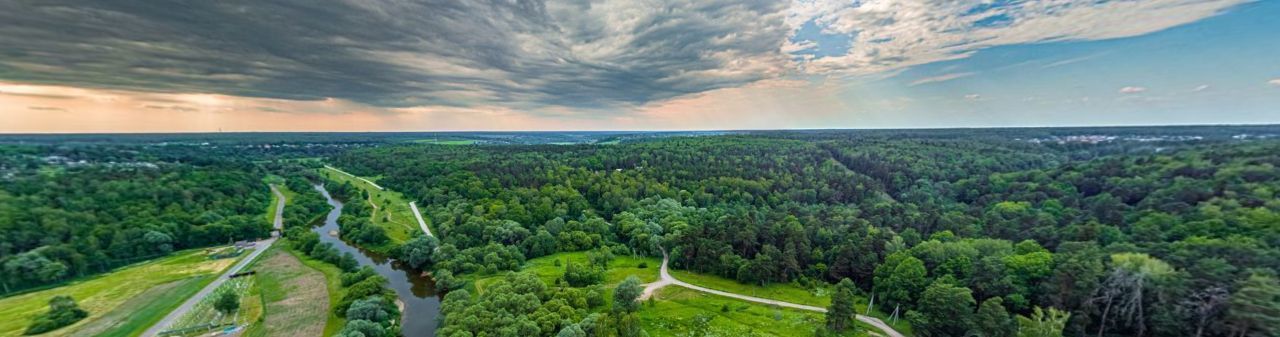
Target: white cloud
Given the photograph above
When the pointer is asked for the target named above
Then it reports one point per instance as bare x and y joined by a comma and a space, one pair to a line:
913, 32
940, 78
1200, 88
1132, 90
973, 97
1072, 60
1275, 82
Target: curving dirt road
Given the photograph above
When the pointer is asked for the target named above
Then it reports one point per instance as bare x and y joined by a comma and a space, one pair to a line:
666, 279
164, 324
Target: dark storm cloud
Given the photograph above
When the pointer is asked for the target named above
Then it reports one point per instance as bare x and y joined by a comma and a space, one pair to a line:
398, 53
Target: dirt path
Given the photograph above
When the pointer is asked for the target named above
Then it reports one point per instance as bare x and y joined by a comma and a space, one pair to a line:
666, 279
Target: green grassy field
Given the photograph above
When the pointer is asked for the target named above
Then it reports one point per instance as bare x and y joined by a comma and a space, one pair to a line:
295, 297
546, 270
676, 312
818, 297
392, 210
333, 285
248, 314
120, 303
790, 292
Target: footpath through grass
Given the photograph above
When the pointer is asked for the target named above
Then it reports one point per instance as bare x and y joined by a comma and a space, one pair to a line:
271, 208
794, 293
679, 311
390, 208
124, 302
819, 296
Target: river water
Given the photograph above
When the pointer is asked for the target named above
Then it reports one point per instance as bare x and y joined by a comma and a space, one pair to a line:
417, 292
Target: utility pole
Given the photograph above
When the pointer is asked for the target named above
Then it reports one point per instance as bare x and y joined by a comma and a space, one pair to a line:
895, 314
871, 304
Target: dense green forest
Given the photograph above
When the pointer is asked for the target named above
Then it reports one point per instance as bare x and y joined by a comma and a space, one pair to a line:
63, 218
960, 230
1106, 231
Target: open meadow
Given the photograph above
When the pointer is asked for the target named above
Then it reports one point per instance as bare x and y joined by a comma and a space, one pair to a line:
120, 303
295, 297
548, 270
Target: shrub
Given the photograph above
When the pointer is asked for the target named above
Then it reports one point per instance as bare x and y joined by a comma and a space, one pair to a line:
63, 311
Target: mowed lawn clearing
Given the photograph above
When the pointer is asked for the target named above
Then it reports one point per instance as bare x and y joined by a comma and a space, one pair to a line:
333, 284
818, 297
619, 268
789, 292
296, 297
391, 209
678, 311
124, 302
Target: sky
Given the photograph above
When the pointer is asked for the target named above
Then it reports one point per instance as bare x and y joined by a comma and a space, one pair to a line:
407, 65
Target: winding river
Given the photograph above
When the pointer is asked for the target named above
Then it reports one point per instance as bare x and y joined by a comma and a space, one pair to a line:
417, 292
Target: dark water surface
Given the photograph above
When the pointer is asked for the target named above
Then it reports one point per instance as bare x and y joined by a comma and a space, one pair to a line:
421, 305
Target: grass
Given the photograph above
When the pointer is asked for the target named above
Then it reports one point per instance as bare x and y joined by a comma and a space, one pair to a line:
271, 209
333, 285
794, 293
790, 292
547, 271
294, 296
445, 141
124, 302
203, 312
392, 210
676, 310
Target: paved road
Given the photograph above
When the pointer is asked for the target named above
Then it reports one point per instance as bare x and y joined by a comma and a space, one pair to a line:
375, 185
262, 246
414, 206
666, 280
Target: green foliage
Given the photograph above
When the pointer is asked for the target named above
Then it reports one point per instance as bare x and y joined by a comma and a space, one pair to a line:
227, 302
901, 283
1043, 323
840, 314
98, 215
362, 328
373, 285
519, 304
1255, 308
1031, 222
418, 252
579, 275
373, 309
992, 320
944, 310
63, 311
626, 295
